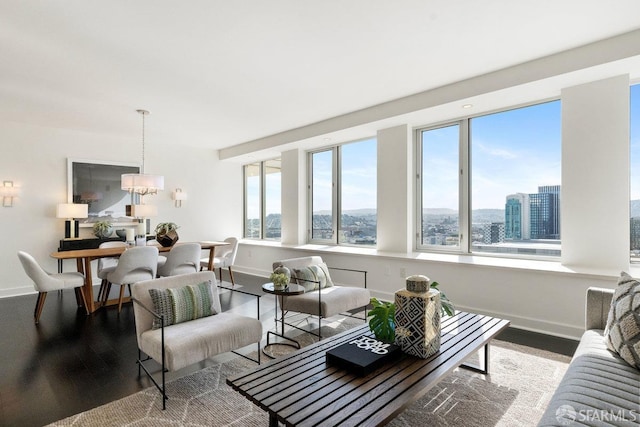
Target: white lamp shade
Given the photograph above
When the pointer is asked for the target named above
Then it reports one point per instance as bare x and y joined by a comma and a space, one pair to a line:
179, 195
144, 211
142, 183
72, 210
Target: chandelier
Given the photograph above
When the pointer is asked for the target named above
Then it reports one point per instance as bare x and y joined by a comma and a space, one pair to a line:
142, 183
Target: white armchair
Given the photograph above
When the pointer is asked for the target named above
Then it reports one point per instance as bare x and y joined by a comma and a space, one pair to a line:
321, 301
181, 344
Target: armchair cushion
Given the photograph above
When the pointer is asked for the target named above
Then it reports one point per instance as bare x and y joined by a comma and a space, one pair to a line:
313, 277
182, 304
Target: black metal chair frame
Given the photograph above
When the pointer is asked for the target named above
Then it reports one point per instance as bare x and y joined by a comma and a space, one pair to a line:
319, 334
140, 362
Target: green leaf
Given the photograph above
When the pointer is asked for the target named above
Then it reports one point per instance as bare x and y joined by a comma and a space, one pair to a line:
382, 322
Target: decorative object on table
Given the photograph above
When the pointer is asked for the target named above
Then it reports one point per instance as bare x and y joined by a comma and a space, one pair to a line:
280, 277
102, 229
166, 233
362, 355
121, 232
382, 322
417, 317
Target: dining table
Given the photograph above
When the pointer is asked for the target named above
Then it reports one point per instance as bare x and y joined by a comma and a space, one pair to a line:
84, 257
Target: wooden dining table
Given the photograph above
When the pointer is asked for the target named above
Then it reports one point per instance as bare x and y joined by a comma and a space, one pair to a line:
84, 257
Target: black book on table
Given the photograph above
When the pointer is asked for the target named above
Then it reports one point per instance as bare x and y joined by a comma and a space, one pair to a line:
362, 355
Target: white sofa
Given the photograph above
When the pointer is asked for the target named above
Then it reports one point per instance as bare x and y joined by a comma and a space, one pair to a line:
183, 344
599, 388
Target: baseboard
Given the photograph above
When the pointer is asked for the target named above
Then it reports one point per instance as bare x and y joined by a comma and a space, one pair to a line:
15, 292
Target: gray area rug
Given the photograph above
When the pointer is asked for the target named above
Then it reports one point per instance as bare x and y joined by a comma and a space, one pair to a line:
516, 393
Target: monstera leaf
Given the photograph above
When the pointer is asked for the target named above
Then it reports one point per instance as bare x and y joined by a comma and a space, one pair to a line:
382, 322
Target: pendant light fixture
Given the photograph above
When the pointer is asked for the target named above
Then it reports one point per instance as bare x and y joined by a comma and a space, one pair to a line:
141, 183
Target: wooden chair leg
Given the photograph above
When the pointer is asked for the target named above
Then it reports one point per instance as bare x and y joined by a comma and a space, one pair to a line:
105, 294
84, 300
103, 287
35, 310
120, 299
220, 275
233, 282
41, 298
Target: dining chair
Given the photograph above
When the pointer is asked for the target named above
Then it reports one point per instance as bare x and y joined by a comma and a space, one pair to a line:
44, 282
107, 265
135, 265
225, 259
182, 259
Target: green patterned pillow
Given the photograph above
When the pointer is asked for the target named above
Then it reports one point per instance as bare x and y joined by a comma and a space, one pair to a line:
622, 333
182, 304
313, 277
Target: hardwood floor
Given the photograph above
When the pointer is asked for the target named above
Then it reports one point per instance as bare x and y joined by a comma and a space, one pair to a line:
72, 362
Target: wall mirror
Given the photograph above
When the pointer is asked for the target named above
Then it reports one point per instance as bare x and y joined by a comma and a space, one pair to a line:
97, 183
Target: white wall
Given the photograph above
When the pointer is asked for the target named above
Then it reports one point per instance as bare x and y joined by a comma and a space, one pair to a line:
595, 174
35, 158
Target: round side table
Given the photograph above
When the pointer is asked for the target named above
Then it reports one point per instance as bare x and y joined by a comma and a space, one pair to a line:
290, 289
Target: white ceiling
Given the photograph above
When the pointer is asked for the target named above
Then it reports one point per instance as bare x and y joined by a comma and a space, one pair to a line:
221, 73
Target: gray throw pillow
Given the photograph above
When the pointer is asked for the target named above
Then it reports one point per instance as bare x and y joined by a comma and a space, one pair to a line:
622, 332
313, 277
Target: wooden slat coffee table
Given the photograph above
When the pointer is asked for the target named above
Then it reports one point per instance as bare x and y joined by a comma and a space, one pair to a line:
301, 389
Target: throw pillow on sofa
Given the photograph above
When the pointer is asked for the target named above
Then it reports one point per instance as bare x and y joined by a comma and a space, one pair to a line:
182, 304
622, 332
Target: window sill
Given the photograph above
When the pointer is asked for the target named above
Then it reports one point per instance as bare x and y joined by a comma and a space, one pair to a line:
552, 265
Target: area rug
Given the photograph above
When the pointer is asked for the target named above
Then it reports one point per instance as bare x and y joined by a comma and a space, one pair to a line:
515, 393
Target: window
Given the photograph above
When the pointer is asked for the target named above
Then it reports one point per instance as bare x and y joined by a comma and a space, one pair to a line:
343, 179
262, 195
634, 146
501, 171
438, 217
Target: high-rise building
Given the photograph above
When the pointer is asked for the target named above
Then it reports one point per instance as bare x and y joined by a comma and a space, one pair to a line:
493, 233
545, 212
516, 217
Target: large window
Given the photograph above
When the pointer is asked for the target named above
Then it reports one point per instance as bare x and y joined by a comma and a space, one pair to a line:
343, 194
262, 206
501, 172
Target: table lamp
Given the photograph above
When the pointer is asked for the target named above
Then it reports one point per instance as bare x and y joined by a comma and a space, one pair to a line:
72, 211
143, 212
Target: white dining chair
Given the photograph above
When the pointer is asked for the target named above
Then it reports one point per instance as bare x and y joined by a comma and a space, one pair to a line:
44, 282
226, 257
135, 265
107, 265
182, 259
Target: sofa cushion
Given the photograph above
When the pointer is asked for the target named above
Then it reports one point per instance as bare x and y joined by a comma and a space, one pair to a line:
182, 304
334, 300
313, 277
597, 384
622, 332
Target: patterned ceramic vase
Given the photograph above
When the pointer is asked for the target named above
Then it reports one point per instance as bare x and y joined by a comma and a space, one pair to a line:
417, 318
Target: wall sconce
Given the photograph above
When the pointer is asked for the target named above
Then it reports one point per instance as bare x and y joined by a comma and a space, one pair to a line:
179, 196
8, 192
71, 211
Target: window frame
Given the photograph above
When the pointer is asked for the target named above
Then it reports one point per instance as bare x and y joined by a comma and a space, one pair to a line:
336, 193
262, 202
465, 186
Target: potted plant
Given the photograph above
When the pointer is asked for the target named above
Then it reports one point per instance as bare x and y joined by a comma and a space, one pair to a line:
102, 229
382, 322
166, 233
280, 277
